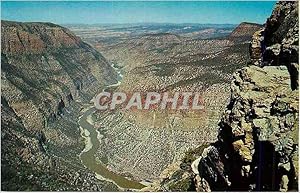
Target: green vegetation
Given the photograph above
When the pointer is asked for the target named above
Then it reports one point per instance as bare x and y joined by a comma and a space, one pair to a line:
163, 69
182, 185
193, 154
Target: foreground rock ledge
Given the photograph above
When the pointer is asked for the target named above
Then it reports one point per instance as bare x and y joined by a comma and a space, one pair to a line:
258, 135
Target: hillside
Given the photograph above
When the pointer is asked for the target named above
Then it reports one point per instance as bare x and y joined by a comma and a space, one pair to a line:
244, 30
46, 71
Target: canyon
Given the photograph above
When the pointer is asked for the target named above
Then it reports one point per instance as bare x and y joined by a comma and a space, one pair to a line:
244, 139
165, 60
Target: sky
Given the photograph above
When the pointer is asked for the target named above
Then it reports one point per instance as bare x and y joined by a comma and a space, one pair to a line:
97, 12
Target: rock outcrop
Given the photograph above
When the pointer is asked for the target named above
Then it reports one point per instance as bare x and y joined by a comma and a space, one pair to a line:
277, 43
257, 146
258, 135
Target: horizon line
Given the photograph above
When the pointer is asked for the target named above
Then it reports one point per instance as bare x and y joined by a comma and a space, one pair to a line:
133, 23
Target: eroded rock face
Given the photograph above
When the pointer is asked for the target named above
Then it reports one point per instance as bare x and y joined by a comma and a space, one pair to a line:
277, 43
258, 135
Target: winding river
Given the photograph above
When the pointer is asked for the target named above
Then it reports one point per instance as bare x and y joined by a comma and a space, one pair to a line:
88, 158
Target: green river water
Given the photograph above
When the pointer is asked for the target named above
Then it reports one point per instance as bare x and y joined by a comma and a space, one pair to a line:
89, 160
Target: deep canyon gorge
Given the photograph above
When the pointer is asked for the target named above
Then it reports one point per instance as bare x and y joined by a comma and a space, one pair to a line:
245, 139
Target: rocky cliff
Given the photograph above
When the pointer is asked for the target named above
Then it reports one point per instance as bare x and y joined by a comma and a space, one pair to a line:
257, 146
46, 71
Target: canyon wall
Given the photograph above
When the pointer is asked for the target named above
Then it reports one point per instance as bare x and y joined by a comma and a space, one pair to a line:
44, 67
46, 72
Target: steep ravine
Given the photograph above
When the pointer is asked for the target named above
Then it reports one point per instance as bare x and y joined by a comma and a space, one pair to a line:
257, 146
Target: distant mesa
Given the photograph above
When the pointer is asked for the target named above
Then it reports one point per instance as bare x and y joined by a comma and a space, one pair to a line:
245, 30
